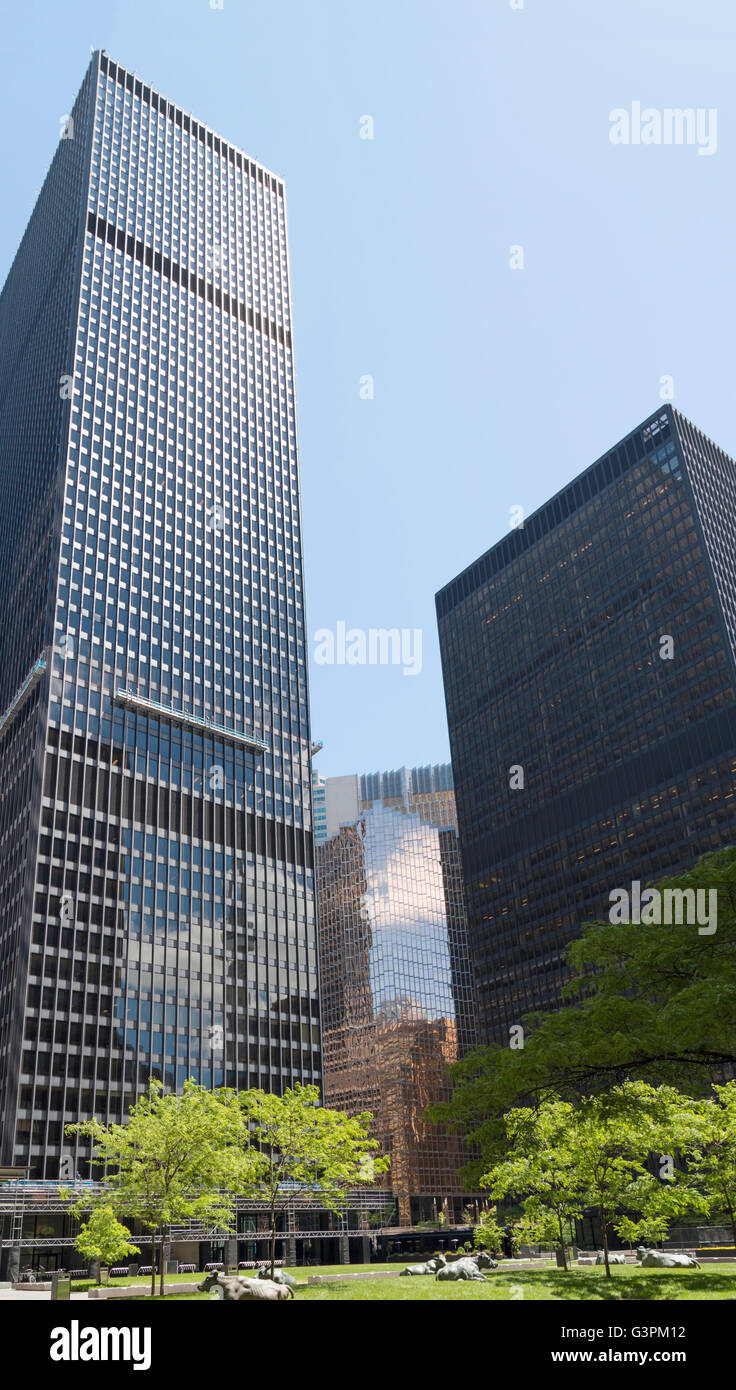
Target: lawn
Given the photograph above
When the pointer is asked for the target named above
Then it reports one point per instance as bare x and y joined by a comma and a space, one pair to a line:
81, 1285
588, 1284
300, 1272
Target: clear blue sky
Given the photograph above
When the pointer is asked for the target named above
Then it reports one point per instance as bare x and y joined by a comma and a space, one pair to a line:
493, 387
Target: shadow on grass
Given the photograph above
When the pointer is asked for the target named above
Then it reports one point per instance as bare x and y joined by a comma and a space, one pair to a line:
664, 1286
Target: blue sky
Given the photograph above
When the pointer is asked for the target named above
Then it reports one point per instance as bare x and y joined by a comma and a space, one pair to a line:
492, 387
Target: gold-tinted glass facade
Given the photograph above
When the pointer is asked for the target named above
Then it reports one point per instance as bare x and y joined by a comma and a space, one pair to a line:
396, 990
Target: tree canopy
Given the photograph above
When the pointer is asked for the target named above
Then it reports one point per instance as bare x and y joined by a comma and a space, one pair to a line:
303, 1142
104, 1238
645, 1001
176, 1159
564, 1158
712, 1161
539, 1168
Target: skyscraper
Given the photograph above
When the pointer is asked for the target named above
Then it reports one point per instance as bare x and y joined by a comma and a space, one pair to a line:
156, 881
318, 807
396, 994
589, 663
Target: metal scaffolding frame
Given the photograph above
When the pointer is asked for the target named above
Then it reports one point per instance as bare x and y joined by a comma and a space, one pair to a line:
19, 1200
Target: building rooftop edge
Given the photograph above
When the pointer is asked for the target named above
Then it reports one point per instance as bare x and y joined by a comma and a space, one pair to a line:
445, 592
391, 771
99, 52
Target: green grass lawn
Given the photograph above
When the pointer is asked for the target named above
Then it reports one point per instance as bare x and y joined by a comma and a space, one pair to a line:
586, 1284
81, 1285
300, 1272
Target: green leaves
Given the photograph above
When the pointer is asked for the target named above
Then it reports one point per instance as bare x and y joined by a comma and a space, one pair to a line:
174, 1155
562, 1158
488, 1234
177, 1159
185, 1157
712, 1160
323, 1150
540, 1170
104, 1238
652, 1002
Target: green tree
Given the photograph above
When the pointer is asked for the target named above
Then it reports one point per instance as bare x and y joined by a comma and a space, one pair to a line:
488, 1234
541, 1226
322, 1151
541, 1170
654, 1205
712, 1162
649, 1002
104, 1238
615, 1134
178, 1158
562, 1158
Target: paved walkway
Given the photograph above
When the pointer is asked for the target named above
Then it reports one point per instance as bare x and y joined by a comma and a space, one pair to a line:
41, 1296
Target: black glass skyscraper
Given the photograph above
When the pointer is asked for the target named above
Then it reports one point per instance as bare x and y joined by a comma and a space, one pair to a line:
156, 881
589, 664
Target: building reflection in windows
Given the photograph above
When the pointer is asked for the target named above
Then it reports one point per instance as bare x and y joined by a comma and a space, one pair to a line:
396, 989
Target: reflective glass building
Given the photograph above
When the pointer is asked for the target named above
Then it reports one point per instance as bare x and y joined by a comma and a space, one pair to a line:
156, 874
319, 817
396, 995
590, 679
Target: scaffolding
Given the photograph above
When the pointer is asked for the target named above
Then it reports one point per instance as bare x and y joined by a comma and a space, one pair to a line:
22, 1200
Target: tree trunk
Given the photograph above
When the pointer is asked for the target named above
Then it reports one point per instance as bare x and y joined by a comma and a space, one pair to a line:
732, 1219
604, 1227
274, 1191
153, 1265
562, 1243
162, 1263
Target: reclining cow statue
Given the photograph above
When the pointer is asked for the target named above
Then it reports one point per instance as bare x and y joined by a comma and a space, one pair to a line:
468, 1267
666, 1259
233, 1288
483, 1260
279, 1276
615, 1258
429, 1266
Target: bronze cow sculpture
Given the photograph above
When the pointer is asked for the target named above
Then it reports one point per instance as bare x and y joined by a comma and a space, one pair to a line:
665, 1259
236, 1287
429, 1266
467, 1268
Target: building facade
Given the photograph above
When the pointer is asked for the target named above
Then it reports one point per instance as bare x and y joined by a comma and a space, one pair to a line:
319, 812
397, 1003
590, 680
156, 880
